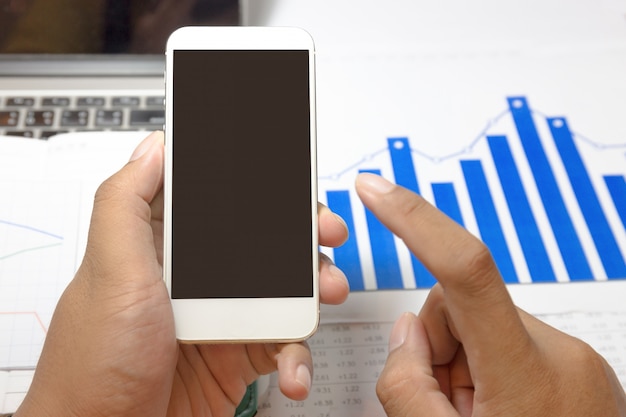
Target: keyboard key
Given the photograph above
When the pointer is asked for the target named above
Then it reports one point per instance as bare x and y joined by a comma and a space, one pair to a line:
9, 118
155, 101
55, 101
109, 117
20, 101
90, 101
75, 118
125, 101
39, 118
20, 133
147, 117
45, 134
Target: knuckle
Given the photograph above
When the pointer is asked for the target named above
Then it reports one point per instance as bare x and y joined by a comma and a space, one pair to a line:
408, 204
400, 208
478, 259
587, 358
109, 190
401, 392
390, 384
475, 264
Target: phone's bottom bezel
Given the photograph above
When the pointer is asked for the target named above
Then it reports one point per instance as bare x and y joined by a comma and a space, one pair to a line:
245, 320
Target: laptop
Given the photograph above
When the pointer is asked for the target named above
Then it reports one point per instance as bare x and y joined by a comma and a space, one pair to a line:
82, 65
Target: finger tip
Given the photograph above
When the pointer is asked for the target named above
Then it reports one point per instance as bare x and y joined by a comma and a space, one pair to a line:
146, 144
303, 377
298, 386
335, 288
333, 229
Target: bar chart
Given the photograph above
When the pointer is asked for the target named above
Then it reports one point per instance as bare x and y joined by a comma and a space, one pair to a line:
550, 206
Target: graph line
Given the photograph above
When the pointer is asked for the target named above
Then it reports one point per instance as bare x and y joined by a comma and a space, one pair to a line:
468, 148
31, 228
9, 366
36, 248
27, 313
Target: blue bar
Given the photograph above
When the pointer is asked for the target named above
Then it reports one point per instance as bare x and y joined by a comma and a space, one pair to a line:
487, 219
347, 257
525, 224
617, 188
569, 244
588, 201
405, 175
403, 169
446, 201
384, 253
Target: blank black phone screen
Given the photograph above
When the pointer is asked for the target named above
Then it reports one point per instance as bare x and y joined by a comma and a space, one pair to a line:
241, 174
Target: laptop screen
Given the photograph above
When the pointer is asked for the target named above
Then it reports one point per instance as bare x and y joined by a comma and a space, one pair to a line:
103, 26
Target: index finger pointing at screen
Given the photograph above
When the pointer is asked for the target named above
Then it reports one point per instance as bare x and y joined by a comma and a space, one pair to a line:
478, 301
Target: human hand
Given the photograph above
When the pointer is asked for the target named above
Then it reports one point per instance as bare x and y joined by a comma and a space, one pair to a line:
111, 348
471, 351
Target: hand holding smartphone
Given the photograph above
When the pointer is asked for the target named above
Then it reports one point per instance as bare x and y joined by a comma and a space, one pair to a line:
240, 246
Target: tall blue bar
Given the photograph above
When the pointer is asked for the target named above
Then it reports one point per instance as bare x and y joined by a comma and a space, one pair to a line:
528, 233
446, 201
403, 168
569, 244
598, 225
346, 256
617, 188
487, 219
405, 175
384, 252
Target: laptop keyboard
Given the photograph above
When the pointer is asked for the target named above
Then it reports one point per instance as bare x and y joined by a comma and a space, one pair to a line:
41, 117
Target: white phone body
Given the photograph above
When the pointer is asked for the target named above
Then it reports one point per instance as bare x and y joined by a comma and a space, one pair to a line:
240, 228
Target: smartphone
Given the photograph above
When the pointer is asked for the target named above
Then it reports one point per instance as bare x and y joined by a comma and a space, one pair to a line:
240, 228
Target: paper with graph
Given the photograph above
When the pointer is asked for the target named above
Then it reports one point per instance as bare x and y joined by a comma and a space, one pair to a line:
46, 190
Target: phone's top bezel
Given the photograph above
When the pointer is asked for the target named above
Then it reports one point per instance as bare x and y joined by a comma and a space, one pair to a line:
239, 37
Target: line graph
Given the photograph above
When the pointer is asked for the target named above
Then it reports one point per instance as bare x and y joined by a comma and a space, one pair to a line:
490, 124
38, 255
27, 247
548, 202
